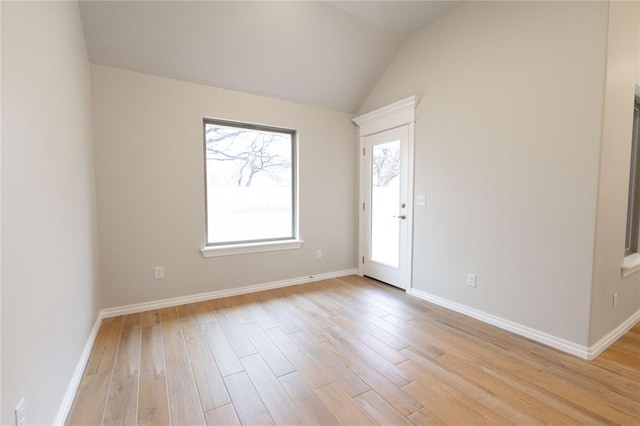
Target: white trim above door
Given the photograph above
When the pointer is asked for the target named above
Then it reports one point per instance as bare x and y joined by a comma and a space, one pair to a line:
399, 114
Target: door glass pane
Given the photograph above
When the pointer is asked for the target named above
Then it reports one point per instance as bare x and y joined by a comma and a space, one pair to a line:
385, 203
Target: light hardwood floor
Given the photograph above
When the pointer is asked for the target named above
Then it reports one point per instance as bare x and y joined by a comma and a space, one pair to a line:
348, 351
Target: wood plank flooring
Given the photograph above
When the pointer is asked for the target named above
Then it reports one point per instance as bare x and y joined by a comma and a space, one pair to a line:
343, 351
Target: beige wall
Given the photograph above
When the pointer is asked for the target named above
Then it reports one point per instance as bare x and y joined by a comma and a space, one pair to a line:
507, 148
150, 186
49, 276
622, 70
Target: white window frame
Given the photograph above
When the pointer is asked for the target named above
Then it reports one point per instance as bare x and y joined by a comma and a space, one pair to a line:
631, 262
254, 246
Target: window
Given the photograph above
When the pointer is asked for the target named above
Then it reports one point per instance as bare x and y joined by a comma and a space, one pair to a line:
250, 186
633, 204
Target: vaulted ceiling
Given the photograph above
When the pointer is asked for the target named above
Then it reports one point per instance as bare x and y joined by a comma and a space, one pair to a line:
328, 53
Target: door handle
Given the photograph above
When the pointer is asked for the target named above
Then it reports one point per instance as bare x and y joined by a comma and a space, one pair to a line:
402, 216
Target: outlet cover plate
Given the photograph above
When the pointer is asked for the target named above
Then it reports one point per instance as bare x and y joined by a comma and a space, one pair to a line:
158, 272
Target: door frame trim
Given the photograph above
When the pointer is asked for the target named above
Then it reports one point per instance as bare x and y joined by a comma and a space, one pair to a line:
397, 114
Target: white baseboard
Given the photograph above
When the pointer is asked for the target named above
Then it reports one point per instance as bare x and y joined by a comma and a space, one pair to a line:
522, 330
65, 406
612, 336
563, 345
182, 300
544, 338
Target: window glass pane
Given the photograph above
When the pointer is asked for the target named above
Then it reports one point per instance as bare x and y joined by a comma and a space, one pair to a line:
632, 199
633, 207
250, 184
385, 202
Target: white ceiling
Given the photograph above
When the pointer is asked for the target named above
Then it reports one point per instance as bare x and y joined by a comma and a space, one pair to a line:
328, 54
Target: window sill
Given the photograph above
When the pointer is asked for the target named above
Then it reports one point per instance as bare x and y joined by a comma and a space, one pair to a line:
233, 249
631, 264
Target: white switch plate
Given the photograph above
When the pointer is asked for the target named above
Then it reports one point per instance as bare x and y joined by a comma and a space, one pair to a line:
471, 279
421, 200
318, 254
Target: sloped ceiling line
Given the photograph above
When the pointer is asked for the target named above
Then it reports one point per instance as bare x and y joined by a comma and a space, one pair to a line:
327, 54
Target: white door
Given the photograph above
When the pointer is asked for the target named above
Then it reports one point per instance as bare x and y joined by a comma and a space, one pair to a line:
387, 206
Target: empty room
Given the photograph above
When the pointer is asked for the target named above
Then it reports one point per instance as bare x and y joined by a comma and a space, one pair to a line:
319, 212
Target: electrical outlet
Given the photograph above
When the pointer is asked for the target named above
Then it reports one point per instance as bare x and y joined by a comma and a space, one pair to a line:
615, 300
318, 254
21, 417
158, 272
471, 279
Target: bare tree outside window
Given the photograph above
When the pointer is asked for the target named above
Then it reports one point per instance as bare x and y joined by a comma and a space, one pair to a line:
386, 164
250, 177
385, 193
251, 152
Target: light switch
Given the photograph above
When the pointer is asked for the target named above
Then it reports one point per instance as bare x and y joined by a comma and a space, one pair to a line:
421, 200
